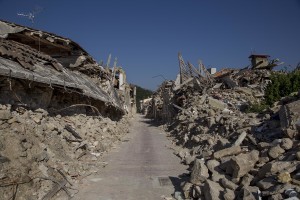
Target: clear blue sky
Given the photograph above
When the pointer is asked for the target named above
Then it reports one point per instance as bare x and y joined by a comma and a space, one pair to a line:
146, 35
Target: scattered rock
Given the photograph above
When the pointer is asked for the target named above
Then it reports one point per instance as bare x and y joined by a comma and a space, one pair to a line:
229, 194
284, 177
5, 114
275, 152
286, 143
212, 190
199, 172
243, 163
228, 184
266, 183
227, 152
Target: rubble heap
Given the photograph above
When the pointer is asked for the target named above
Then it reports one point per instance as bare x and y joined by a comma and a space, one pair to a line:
59, 112
233, 154
39, 152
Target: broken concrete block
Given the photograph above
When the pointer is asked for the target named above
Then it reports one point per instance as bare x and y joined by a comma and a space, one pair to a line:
215, 103
284, 177
286, 143
243, 163
199, 172
212, 165
227, 152
266, 183
272, 168
277, 189
216, 177
289, 114
263, 145
5, 114
291, 133
183, 153
240, 138
228, 184
246, 180
187, 189
248, 193
189, 159
212, 190
37, 118
229, 194
275, 152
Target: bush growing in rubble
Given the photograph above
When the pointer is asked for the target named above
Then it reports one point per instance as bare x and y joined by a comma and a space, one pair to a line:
257, 107
281, 85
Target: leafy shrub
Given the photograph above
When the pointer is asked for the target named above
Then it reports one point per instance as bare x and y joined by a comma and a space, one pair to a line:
283, 84
257, 108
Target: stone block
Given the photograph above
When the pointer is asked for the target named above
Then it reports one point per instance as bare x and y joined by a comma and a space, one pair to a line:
5, 114
227, 152
243, 163
275, 152
212, 190
199, 172
215, 103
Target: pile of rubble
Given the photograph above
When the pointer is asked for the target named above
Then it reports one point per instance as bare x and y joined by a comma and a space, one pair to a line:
239, 155
42, 154
59, 112
233, 154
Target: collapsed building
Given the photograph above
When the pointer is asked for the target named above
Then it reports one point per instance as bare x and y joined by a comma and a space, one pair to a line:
59, 112
39, 68
233, 154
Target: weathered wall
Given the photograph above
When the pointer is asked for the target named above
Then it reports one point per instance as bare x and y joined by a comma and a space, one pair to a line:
35, 95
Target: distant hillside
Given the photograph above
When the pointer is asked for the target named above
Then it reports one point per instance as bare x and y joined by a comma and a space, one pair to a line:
141, 93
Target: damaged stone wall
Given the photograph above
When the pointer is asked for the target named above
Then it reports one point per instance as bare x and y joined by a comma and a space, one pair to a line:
49, 59
232, 154
40, 152
59, 112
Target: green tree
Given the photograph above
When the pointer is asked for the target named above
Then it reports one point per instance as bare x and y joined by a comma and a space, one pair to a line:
141, 93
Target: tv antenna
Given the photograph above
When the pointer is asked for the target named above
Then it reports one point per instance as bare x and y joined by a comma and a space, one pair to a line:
31, 15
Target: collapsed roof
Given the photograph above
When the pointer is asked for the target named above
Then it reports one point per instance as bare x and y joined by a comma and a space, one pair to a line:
43, 57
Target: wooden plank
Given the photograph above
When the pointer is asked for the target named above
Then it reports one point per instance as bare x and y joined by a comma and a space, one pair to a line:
73, 132
58, 186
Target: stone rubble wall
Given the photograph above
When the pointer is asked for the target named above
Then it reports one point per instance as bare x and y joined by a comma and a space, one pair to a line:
232, 154
39, 150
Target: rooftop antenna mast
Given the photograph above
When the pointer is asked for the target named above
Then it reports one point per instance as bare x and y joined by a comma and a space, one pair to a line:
31, 16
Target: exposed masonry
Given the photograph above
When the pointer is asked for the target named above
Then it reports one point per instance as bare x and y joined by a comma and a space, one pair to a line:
232, 154
59, 112
62, 65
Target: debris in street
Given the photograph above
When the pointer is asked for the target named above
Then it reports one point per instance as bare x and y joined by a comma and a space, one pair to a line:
59, 112
236, 154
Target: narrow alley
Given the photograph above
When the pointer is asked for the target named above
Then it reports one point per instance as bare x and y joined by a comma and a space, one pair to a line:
142, 167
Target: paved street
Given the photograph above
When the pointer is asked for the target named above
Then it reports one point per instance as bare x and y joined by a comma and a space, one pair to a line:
142, 167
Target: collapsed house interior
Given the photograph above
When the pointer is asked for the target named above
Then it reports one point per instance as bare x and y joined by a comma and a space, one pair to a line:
48, 67
59, 112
